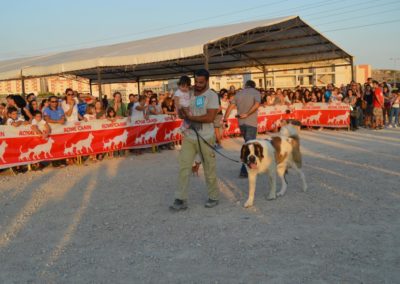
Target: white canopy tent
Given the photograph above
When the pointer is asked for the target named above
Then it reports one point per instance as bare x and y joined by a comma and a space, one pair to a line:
285, 40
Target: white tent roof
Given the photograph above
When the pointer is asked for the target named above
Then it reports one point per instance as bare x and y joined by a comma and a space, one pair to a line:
268, 42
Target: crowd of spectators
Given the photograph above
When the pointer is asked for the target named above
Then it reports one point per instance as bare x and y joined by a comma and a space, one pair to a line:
373, 105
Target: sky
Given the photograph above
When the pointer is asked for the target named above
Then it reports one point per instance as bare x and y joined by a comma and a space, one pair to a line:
369, 30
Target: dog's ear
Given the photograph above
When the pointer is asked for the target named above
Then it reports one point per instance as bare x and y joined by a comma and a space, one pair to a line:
258, 150
244, 153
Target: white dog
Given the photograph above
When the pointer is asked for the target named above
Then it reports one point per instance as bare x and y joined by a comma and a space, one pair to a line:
259, 157
272, 157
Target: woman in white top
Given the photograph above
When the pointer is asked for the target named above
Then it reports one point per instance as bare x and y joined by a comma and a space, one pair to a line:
224, 100
70, 107
138, 111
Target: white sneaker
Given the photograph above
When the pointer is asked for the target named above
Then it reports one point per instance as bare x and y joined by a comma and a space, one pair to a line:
389, 126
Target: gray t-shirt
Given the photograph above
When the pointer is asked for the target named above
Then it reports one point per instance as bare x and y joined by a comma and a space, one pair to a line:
244, 100
198, 107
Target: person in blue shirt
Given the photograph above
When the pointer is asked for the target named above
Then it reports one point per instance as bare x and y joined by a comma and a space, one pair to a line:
328, 93
82, 105
54, 113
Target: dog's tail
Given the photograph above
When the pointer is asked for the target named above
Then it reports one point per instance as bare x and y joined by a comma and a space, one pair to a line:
296, 151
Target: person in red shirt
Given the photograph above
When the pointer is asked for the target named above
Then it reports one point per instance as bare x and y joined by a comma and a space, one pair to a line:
377, 103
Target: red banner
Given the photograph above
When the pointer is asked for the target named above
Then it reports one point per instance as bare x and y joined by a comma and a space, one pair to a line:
20, 145
312, 114
320, 114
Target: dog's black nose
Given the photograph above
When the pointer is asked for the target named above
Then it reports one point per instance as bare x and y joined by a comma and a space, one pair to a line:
252, 159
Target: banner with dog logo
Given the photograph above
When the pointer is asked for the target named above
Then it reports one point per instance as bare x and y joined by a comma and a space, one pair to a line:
335, 115
321, 114
20, 145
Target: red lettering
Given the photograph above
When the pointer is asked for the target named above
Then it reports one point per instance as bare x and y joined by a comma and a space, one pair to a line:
84, 127
115, 124
2, 134
26, 133
69, 129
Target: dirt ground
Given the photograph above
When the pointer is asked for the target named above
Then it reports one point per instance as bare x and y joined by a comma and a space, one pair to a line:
109, 222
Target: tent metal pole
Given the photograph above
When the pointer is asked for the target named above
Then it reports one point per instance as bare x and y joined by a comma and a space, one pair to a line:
352, 68
205, 51
138, 85
265, 78
99, 83
22, 84
90, 87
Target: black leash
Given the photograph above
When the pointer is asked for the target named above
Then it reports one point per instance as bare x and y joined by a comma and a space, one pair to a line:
212, 147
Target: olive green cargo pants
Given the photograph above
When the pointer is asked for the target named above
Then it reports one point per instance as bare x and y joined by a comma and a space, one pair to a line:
186, 158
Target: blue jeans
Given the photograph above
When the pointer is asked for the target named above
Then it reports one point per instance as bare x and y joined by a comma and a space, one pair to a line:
394, 112
248, 133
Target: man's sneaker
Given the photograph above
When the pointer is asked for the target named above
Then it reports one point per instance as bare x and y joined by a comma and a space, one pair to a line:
211, 203
389, 126
178, 205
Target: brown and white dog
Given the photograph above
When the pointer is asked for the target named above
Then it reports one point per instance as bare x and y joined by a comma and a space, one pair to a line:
272, 157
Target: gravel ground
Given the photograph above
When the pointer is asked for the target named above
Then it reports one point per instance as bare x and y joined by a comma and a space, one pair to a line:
109, 222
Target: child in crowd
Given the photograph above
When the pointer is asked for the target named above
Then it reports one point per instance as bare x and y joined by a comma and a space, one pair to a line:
90, 113
39, 125
13, 118
111, 115
182, 98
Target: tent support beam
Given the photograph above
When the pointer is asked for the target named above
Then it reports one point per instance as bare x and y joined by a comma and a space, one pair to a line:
206, 56
138, 85
352, 68
90, 87
265, 77
99, 83
239, 54
22, 84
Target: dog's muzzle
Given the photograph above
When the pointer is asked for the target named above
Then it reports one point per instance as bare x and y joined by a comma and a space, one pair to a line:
252, 162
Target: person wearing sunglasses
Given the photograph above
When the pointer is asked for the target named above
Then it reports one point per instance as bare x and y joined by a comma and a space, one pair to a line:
70, 106
154, 108
54, 113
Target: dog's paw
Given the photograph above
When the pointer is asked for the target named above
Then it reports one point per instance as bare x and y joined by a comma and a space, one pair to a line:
271, 196
281, 193
248, 204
